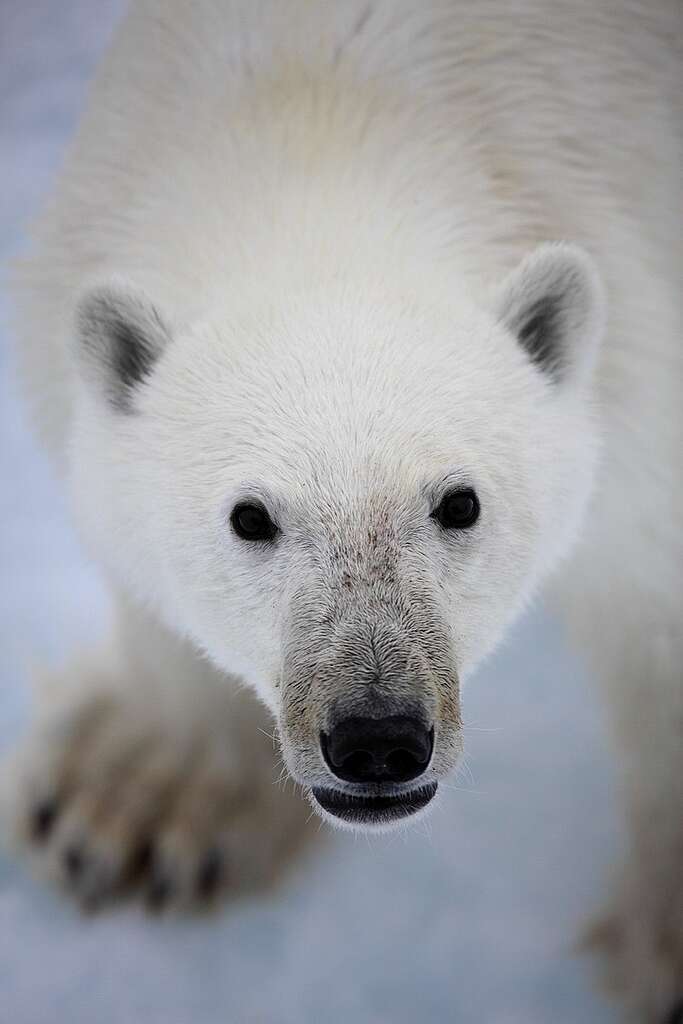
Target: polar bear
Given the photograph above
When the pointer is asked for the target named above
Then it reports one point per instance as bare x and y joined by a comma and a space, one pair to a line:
350, 327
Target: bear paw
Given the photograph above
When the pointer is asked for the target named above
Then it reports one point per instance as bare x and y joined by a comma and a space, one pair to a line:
640, 944
110, 801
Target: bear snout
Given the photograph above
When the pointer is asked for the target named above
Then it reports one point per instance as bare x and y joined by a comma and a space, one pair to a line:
374, 764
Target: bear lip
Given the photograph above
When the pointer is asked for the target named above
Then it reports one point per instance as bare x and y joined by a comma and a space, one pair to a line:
373, 810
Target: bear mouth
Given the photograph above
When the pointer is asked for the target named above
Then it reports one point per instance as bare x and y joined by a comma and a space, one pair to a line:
373, 810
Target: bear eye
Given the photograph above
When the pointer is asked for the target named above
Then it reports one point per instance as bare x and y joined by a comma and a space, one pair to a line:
458, 510
251, 521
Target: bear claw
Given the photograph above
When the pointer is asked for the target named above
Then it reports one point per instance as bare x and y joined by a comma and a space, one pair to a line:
676, 1015
43, 819
74, 861
210, 875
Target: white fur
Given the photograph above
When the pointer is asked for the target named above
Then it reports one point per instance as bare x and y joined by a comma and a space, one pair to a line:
327, 205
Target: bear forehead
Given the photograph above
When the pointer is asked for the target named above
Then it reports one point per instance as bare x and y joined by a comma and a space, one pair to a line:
352, 396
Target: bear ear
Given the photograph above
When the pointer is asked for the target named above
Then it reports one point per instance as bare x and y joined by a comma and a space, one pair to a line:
120, 336
553, 303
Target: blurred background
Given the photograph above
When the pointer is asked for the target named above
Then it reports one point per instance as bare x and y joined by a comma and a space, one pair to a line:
470, 918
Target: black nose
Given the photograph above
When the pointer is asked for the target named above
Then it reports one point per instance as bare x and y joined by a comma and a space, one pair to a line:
393, 749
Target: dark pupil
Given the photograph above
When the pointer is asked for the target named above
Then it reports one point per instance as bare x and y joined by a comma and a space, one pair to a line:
460, 506
253, 523
459, 510
252, 520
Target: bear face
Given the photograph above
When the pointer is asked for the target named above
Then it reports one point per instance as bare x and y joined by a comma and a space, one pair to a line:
344, 496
